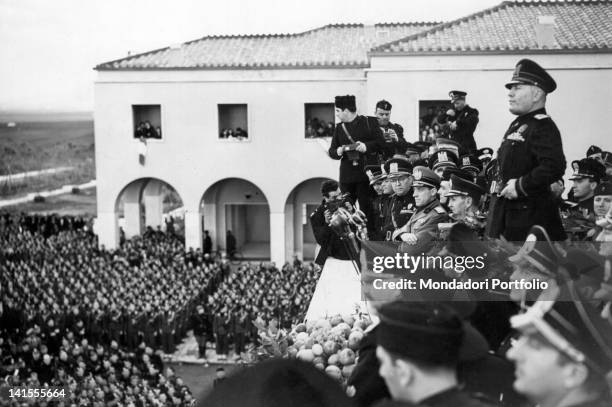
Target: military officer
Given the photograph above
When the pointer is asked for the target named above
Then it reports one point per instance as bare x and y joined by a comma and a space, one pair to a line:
595, 153
530, 159
402, 202
563, 355
462, 120
445, 183
442, 159
377, 178
464, 199
393, 133
471, 164
423, 225
419, 345
413, 153
588, 173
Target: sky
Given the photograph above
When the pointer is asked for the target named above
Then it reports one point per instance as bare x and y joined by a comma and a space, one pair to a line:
48, 48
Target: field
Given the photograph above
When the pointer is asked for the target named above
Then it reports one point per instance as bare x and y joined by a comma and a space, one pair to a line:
38, 144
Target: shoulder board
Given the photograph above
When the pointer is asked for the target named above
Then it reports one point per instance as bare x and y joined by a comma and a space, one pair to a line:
541, 116
440, 210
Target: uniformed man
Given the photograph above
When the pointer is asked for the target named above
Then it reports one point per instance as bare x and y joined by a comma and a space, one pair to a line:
606, 157
402, 202
423, 225
419, 347
445, 183
462, 120
563, 355
442, 159
464, 200
413, 153
588, 173
386, 200
393, 133
377, 178
530, 159
471, 164
356, 144
485, 155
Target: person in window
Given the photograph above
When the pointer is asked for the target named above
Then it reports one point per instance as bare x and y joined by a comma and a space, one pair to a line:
148, 131
158, 131
241, 134
139, 132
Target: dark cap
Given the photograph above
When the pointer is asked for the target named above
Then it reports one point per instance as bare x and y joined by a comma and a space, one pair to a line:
448, 145
606, 156
604, 188
462, 187
384, 105
539, 251
588, 168
423, 145
413, 149
457, 95
449, 171
574, 328
443, 158
484, 153
593, 150
422, 331
345, 102
530, 73
374, 173
470, 163
398, 166
424, 177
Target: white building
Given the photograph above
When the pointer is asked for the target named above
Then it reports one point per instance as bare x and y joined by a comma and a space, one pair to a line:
263, 187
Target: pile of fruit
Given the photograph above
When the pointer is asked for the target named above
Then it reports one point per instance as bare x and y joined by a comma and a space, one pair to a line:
330, 344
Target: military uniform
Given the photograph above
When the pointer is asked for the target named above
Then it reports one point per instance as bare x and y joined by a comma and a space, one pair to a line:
402, 210
466, 120
424, 221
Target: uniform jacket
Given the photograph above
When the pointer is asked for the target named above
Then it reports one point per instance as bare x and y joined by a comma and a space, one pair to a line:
360, 130
424, 222
531, 152
466, 120
402, 209
391, 147
330, 242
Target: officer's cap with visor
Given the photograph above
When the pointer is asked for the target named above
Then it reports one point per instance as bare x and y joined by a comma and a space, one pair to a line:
588, 168
424, 177
485, 153
463, 187
457, 95
529, 72
398, 166
448, 145
443, 158
374, 173
539, 251
575, 328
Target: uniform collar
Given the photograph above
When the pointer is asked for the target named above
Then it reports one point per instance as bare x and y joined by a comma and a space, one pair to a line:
535, 112
429, 206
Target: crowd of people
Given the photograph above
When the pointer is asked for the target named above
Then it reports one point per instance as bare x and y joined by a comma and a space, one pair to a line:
433, 124
319, 128
147, 131
234, 134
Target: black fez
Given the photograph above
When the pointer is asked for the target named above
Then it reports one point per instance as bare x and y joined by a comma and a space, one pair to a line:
574, 328
604, 188
470, 162
443, 158
530, 73
463, 187
422, 331
538, 250
346, 102
457, 95
384, 105
593, 150
424, 177
449, 171
588, 168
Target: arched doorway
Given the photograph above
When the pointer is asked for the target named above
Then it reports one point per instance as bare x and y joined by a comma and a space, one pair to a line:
149, 203
301, 202
239, 206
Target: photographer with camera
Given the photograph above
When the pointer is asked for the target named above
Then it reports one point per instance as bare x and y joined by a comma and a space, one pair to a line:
356, 143
393, 133
339, 287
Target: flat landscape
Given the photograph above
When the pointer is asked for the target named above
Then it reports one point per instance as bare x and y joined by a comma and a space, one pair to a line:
42, 142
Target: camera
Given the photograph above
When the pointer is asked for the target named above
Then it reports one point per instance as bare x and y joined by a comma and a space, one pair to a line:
351, 152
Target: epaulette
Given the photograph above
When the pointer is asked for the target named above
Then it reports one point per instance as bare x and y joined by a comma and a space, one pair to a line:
541, 116
440, 210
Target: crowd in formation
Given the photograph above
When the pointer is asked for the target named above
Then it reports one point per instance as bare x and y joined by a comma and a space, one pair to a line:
98, 322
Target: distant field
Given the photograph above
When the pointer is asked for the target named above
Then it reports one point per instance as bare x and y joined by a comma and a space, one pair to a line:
38, 145
82, 204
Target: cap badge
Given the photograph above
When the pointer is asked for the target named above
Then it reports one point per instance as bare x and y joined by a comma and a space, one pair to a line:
466, 160
418, 174
393, 167
442, 156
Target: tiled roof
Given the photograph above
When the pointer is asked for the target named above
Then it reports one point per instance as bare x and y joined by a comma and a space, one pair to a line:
339, 45
579, 25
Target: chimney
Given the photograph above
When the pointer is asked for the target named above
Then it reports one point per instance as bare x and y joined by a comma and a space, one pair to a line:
545, 32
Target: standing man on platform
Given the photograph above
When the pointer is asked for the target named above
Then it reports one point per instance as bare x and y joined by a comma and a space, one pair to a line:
356, 143
462, 121
393, 133
530, 159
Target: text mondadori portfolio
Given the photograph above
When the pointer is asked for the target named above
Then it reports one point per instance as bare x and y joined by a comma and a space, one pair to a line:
469, 284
